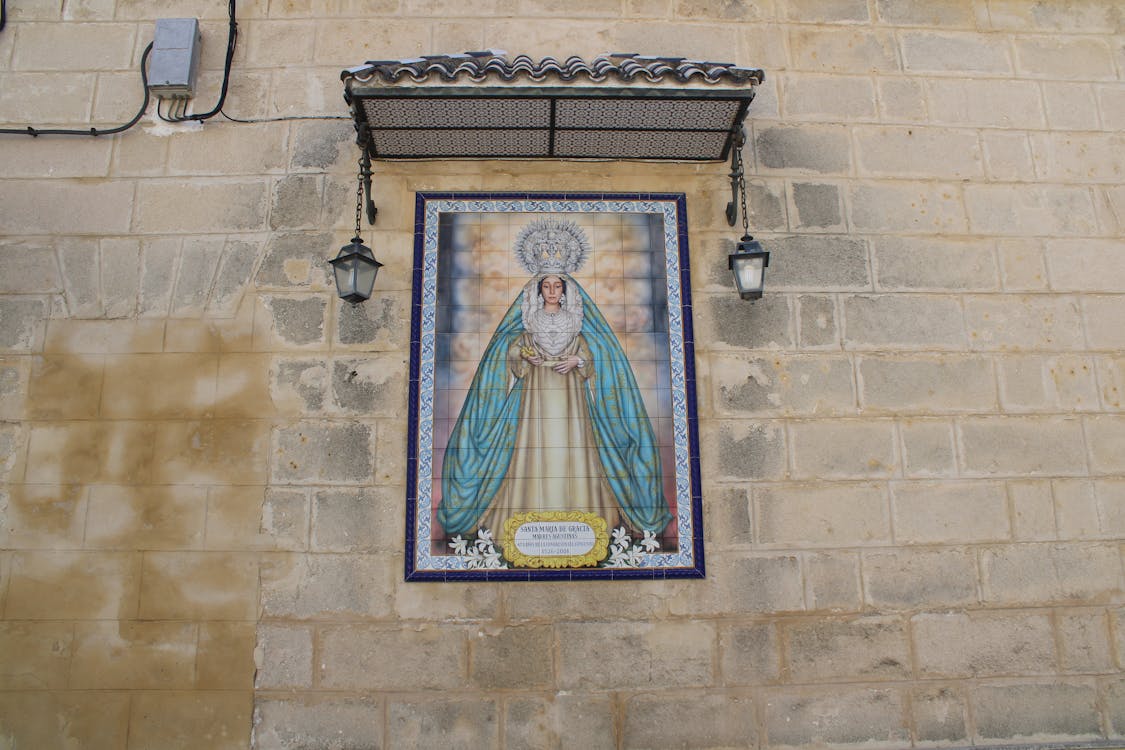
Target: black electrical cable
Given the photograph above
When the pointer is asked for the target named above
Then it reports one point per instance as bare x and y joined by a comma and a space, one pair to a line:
283, 119
232, 40
36, 132
3, 14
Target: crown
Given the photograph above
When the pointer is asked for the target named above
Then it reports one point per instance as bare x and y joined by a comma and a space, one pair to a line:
552, 246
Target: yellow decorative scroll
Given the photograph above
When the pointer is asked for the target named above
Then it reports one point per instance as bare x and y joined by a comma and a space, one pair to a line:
589, 559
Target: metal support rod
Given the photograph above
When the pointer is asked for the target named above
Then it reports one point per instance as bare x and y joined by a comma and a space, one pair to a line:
737, 175
365, 172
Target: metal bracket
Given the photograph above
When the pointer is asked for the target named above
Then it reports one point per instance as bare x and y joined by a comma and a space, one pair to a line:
737, 175
364, 142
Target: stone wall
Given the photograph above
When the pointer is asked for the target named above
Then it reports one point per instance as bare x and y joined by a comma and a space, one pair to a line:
913, 451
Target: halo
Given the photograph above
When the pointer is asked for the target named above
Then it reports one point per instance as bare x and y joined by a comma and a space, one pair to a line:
551, 246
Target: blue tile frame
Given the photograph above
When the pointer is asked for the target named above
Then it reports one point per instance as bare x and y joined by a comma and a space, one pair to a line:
420, 564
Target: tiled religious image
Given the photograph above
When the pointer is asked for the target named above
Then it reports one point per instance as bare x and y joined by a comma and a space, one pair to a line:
552, 395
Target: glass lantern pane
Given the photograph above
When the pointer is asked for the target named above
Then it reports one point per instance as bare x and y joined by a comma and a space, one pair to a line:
345, 277
365, 278
749, 273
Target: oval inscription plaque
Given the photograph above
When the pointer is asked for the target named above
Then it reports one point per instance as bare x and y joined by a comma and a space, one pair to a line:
555, 538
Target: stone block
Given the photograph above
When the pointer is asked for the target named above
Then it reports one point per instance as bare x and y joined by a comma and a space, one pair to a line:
1023, 265
317, 721
837, 715
184, 720
818, 263
35, 655
73, 46
563, 721
1095, 16
1021, 446
199, 586
120, 276
740, 450
982, 644
453, 722
14, 386
819, 149
927, 448
278, 42
1076, 509
162, 517
671, 720
828, 99
1106, 436
49, 97
843, 50
937, 13
939, 714
842, 449
515, 657
537, 601
901, 99
248, 149
43, 516
1033, 510
158, 275
199, 258
104, 336
90, 452
1008, 156
731, 323
834, 11
930, 52
1084, 642
1042, 711
297, 201
1099, 313
347, 520
905, 579
380, 657
211, 451
62, 207
235, 268
1033, 383
323, 453
855, 649
78, 263
728, 510
1111, 102
379, 324
816, 206
250, 518
918, 152
160, 386
1019, 322
224, 657
90, 720
749, 653
999, 103
818, 385
1086, 266
1083, 157
23, 321
1071, 106
290, 322
741, 585
27, 267
289, 262
832, 581
199, 206
937, 512
831, 515
284, 657
1080, 58
1042, 211
1081, 573
132, 655
920, 264
913, 207
299, 386
1110, 494
324, 586
319, 145
609, 654
1111, 376
369, 386
73, 585
13, 451
926, 385
817, 325
765, 205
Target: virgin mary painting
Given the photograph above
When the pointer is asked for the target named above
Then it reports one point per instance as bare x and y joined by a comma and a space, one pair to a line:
553, 420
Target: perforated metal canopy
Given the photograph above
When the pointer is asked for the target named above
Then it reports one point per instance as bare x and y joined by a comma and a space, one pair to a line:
482, 105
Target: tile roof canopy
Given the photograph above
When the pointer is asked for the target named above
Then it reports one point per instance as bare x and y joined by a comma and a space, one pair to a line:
494, 65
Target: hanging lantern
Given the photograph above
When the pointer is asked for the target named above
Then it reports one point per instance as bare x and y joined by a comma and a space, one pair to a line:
748, 263
355, 268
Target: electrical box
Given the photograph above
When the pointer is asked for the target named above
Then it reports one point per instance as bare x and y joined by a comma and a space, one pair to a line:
175, 58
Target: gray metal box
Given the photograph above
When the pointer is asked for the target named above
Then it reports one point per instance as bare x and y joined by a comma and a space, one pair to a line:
175, 58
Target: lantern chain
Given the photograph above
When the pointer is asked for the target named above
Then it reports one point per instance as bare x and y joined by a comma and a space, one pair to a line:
742, 194
359, 198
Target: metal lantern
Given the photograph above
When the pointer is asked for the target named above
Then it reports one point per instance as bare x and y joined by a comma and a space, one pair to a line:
355, 268
748, 263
